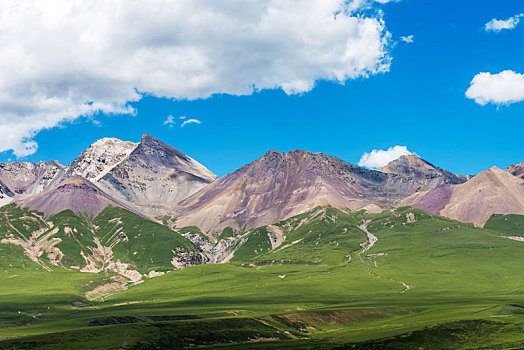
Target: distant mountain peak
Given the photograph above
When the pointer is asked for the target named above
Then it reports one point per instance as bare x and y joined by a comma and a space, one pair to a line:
414, 167
410, 160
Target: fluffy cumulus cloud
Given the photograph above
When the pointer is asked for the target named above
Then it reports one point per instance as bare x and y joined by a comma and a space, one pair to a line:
496, 25
504, 88
63, 59
378, 158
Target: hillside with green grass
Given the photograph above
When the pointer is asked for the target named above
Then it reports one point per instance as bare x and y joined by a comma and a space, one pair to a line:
316, 280
506, 224
116, 243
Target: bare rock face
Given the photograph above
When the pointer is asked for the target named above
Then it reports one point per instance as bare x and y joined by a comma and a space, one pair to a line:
24, 179
155, 173
77, 194
280, 185
493, 191
516, 170
6, 196
428, 175
100, 158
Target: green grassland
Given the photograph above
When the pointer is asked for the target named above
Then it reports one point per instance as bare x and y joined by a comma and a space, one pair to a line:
428, 282
506, 224
67, 238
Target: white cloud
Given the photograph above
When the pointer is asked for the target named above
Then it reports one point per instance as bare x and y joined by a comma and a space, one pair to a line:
169, 121
504, 88
379, 158
386, 1
408, 39
190, 121
496, 25
62, 59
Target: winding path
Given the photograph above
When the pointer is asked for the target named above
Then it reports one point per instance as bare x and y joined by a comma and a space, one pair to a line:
371, 237
372, 240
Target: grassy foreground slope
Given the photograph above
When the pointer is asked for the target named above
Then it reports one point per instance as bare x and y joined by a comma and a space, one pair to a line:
506, 224
116, 242
426, 282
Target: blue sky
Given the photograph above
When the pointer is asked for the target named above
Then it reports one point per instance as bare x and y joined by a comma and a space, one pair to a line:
419, 103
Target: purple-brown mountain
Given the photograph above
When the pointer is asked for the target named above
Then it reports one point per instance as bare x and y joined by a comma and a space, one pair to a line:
493, 191
77, 194
280, 185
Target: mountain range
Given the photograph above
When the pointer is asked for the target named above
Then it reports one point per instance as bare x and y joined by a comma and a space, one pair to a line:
140, 209
152, 179
139, 246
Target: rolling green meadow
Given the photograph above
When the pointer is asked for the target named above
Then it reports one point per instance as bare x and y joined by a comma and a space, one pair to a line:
428, 282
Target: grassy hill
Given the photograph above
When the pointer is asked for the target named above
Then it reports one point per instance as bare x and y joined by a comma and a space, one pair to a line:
117, 243
305, 282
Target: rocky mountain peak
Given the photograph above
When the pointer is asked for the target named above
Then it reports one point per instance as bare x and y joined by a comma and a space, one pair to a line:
279, 185
158, 150
154, 175
414, 167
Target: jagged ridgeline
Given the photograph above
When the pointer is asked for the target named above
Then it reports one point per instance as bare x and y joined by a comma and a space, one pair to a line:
116, 242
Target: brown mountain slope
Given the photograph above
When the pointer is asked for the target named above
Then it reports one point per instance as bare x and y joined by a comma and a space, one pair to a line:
77, 194
280, 185
493, 191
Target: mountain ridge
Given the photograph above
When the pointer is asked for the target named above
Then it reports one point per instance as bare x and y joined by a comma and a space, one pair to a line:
279, 185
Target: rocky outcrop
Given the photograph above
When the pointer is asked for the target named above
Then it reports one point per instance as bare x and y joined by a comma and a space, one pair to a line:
516, 170
493, 191
216, 250
100, 158
281, 185
184, 258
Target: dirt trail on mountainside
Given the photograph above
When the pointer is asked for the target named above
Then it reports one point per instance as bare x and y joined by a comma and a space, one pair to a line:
372, 239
